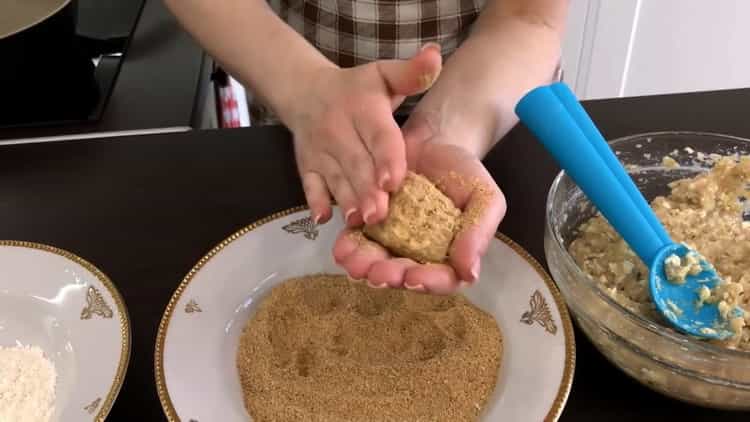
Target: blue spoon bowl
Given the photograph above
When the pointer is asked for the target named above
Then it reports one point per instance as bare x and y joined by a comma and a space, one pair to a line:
557, 119
681, 303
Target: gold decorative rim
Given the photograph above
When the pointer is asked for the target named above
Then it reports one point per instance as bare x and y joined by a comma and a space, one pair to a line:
161, 384
125, 333
570, 349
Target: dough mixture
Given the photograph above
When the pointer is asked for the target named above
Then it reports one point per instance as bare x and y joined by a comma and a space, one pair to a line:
421, 221
321, 348
708, 213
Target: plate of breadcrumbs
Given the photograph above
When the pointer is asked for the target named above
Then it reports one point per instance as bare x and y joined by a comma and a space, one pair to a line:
64, 336
266, 327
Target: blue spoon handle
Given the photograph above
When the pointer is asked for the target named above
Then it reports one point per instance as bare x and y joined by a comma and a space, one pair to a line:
584, 122
548, 119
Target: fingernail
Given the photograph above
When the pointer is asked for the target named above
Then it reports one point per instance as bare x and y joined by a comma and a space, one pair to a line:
354, 280
475, 270
384, 178
416, 287
367, 214
432, 45
376, 286
349, 213
464, 284
316, 219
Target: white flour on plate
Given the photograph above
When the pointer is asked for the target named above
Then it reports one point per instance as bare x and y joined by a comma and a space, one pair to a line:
27, 385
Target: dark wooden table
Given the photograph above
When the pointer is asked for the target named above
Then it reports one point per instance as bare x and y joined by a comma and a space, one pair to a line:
145, 209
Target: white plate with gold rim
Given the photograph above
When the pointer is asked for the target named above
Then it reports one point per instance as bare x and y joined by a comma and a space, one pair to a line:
198, 336
57, 301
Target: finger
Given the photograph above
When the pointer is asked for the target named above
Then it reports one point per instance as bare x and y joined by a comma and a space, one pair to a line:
359, 170
390, 271
317, 196
346, 243
342, 191
433, 278
481, 216
381, 201
413, 76
385, 144
358, 263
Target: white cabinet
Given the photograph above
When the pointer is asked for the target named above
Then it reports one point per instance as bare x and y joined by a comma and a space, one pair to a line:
616, 48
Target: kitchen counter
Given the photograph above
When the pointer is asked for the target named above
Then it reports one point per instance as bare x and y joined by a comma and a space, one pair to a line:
162, 85
145, 209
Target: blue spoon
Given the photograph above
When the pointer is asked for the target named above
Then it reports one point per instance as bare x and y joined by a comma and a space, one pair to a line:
555, 116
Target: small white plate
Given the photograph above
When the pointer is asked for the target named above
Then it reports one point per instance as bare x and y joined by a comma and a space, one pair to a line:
199, 332
62, 304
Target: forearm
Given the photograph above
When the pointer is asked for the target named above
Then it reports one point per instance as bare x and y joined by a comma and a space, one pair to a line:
510, 51
246, 38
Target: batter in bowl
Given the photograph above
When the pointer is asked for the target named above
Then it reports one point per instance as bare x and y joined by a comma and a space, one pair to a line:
707, 213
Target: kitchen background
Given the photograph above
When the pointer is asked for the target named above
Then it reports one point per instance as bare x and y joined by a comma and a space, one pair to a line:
627, 48
645, 47
163, 82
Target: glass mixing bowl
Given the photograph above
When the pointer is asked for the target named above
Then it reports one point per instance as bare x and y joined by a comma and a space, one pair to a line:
659, 357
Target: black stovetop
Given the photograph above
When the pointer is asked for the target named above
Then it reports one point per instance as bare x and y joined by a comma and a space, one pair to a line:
104, 28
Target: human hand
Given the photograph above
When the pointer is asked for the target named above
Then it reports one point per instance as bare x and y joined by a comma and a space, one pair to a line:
347, 143
462, 177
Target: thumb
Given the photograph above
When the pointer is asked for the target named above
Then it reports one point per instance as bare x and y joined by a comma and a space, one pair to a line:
413, 76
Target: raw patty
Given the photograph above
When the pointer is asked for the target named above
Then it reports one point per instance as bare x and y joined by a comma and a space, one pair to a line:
421, 222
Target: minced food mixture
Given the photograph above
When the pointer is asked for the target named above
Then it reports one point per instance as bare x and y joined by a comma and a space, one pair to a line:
709, 214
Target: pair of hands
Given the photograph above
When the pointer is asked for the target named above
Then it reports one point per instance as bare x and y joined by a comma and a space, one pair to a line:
348, 146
